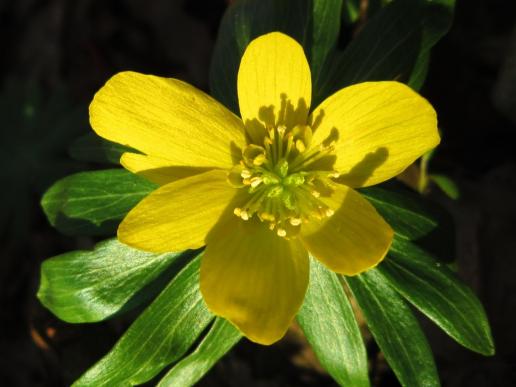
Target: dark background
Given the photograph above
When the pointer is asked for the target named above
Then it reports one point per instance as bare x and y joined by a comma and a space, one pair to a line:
55, 54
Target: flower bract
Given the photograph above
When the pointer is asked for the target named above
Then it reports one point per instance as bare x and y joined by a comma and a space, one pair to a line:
265, 190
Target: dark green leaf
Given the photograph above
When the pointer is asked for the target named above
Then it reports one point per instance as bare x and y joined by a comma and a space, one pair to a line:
313, 23
407, 213
219, 340
160, 336
91, 147
437, 292
437, 20
93, 203
385, 49
329, 324
36, 127
395, 329
351, 11
447, 185
88, 286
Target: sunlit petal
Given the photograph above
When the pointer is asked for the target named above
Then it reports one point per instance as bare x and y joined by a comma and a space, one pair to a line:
351, 241
167, 118
253, 278
378, 128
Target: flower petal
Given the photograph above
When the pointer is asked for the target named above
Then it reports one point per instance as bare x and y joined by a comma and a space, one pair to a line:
177, 216
167, 118
351, 241
156, 169
380, 128
254, 278
274, 83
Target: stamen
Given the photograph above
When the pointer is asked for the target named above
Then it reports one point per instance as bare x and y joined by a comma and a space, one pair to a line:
295, 221
281, 232
285, 187
246, 174
256, 181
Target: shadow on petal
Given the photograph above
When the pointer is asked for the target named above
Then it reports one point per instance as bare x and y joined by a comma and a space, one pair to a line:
362, 171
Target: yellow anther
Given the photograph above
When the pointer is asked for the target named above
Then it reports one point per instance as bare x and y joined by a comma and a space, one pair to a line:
256, 181
295, 221
284, 177
246, 173
281, 232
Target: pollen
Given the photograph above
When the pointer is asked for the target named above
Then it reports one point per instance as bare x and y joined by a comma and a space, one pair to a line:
286, 179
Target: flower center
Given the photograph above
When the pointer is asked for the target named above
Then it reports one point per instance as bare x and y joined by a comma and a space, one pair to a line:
285, 179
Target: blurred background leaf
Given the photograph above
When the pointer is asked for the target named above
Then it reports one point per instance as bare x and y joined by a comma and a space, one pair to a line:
36, 128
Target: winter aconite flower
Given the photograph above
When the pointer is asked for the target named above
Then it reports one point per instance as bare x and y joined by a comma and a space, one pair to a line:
263, 191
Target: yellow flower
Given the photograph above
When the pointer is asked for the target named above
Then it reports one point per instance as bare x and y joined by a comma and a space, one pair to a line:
263, 191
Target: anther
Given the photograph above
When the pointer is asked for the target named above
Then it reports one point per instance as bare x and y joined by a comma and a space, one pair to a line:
246, 174
295, 221
244, 215
281, 232
256, 181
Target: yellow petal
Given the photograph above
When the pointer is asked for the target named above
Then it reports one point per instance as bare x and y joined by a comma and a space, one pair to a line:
177, 216
379, 129
156, 169
253, 278
167, 118
274, 83
351, 241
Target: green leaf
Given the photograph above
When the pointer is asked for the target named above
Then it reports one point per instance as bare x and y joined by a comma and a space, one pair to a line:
395, 329
219, 340
432, 288
385, 49
436, 22
329, 325
351, 11
447, 185
93, 203
93, 148
313, 23
160, 336
407, 213
89, 286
